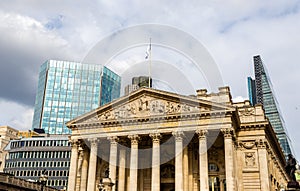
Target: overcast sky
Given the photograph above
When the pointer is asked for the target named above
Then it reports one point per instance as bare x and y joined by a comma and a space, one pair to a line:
233, 31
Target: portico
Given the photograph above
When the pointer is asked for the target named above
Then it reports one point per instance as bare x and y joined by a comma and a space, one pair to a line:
160, 141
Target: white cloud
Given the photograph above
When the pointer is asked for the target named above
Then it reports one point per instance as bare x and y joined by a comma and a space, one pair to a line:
15, 115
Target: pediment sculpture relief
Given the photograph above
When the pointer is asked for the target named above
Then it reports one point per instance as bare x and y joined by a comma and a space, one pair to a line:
146, 106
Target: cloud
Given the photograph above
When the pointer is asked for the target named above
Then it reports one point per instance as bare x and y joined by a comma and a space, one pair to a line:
20, 120
24, 45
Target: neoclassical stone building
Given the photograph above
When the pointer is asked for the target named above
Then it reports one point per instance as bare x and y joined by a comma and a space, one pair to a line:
156, 140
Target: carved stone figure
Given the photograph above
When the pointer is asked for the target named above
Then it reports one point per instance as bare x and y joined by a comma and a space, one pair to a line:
249, 159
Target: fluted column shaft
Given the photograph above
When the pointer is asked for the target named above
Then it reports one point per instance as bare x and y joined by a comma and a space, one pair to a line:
113, 160
133, 162
228, 144
203, 162
178, 160
92, 165
155, 179
73, 166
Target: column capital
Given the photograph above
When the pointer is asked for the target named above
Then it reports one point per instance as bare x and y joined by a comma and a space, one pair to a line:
155, 137
134, 139
178, 135
74, 143
202, 133
93, 141
227, 132
113, 139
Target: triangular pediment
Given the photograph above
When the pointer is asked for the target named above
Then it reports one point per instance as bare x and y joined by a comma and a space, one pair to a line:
145, 103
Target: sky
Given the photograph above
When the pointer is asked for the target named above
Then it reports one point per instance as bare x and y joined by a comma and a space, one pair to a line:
232, 31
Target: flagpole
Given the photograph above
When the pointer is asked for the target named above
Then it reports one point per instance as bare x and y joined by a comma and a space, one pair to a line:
150, 60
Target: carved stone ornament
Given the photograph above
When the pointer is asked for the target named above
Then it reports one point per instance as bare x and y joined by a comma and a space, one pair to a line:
155, 137
201, 133
247, 111
134, 139
74, 143
178, 135
146, 106
227, 132
247, 144
261, 143
113, 139
250, 159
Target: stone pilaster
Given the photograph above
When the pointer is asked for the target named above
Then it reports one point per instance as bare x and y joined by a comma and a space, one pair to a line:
178, 160
73, 165
203, 162
122, 175
133, 162
113, 160
228, 146
84, 169
92, 165
155, 179
263, 164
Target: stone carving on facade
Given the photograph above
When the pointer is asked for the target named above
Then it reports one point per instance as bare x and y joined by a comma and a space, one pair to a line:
261, 143
247, 111
157, 107
247, 144
145, 107
201, 133
250, 159
155, 137
134, 139
227, 132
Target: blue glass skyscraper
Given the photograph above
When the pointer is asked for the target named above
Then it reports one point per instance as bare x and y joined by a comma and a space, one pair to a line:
261, 92
69, 89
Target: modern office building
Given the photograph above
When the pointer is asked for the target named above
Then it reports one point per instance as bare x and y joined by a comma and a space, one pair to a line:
27, 158
69, 89
261, 92
153, 140
6, 134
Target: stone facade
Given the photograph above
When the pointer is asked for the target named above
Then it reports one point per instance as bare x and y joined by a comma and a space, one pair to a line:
156, 140
6, 134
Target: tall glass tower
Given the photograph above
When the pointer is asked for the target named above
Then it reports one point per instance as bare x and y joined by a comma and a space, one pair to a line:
69, 89
261, 92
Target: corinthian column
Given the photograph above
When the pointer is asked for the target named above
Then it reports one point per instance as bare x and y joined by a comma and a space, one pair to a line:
92, 165
178, 160
203, 162
73, 165
155, 179
133, 162
228, 144
113, 160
